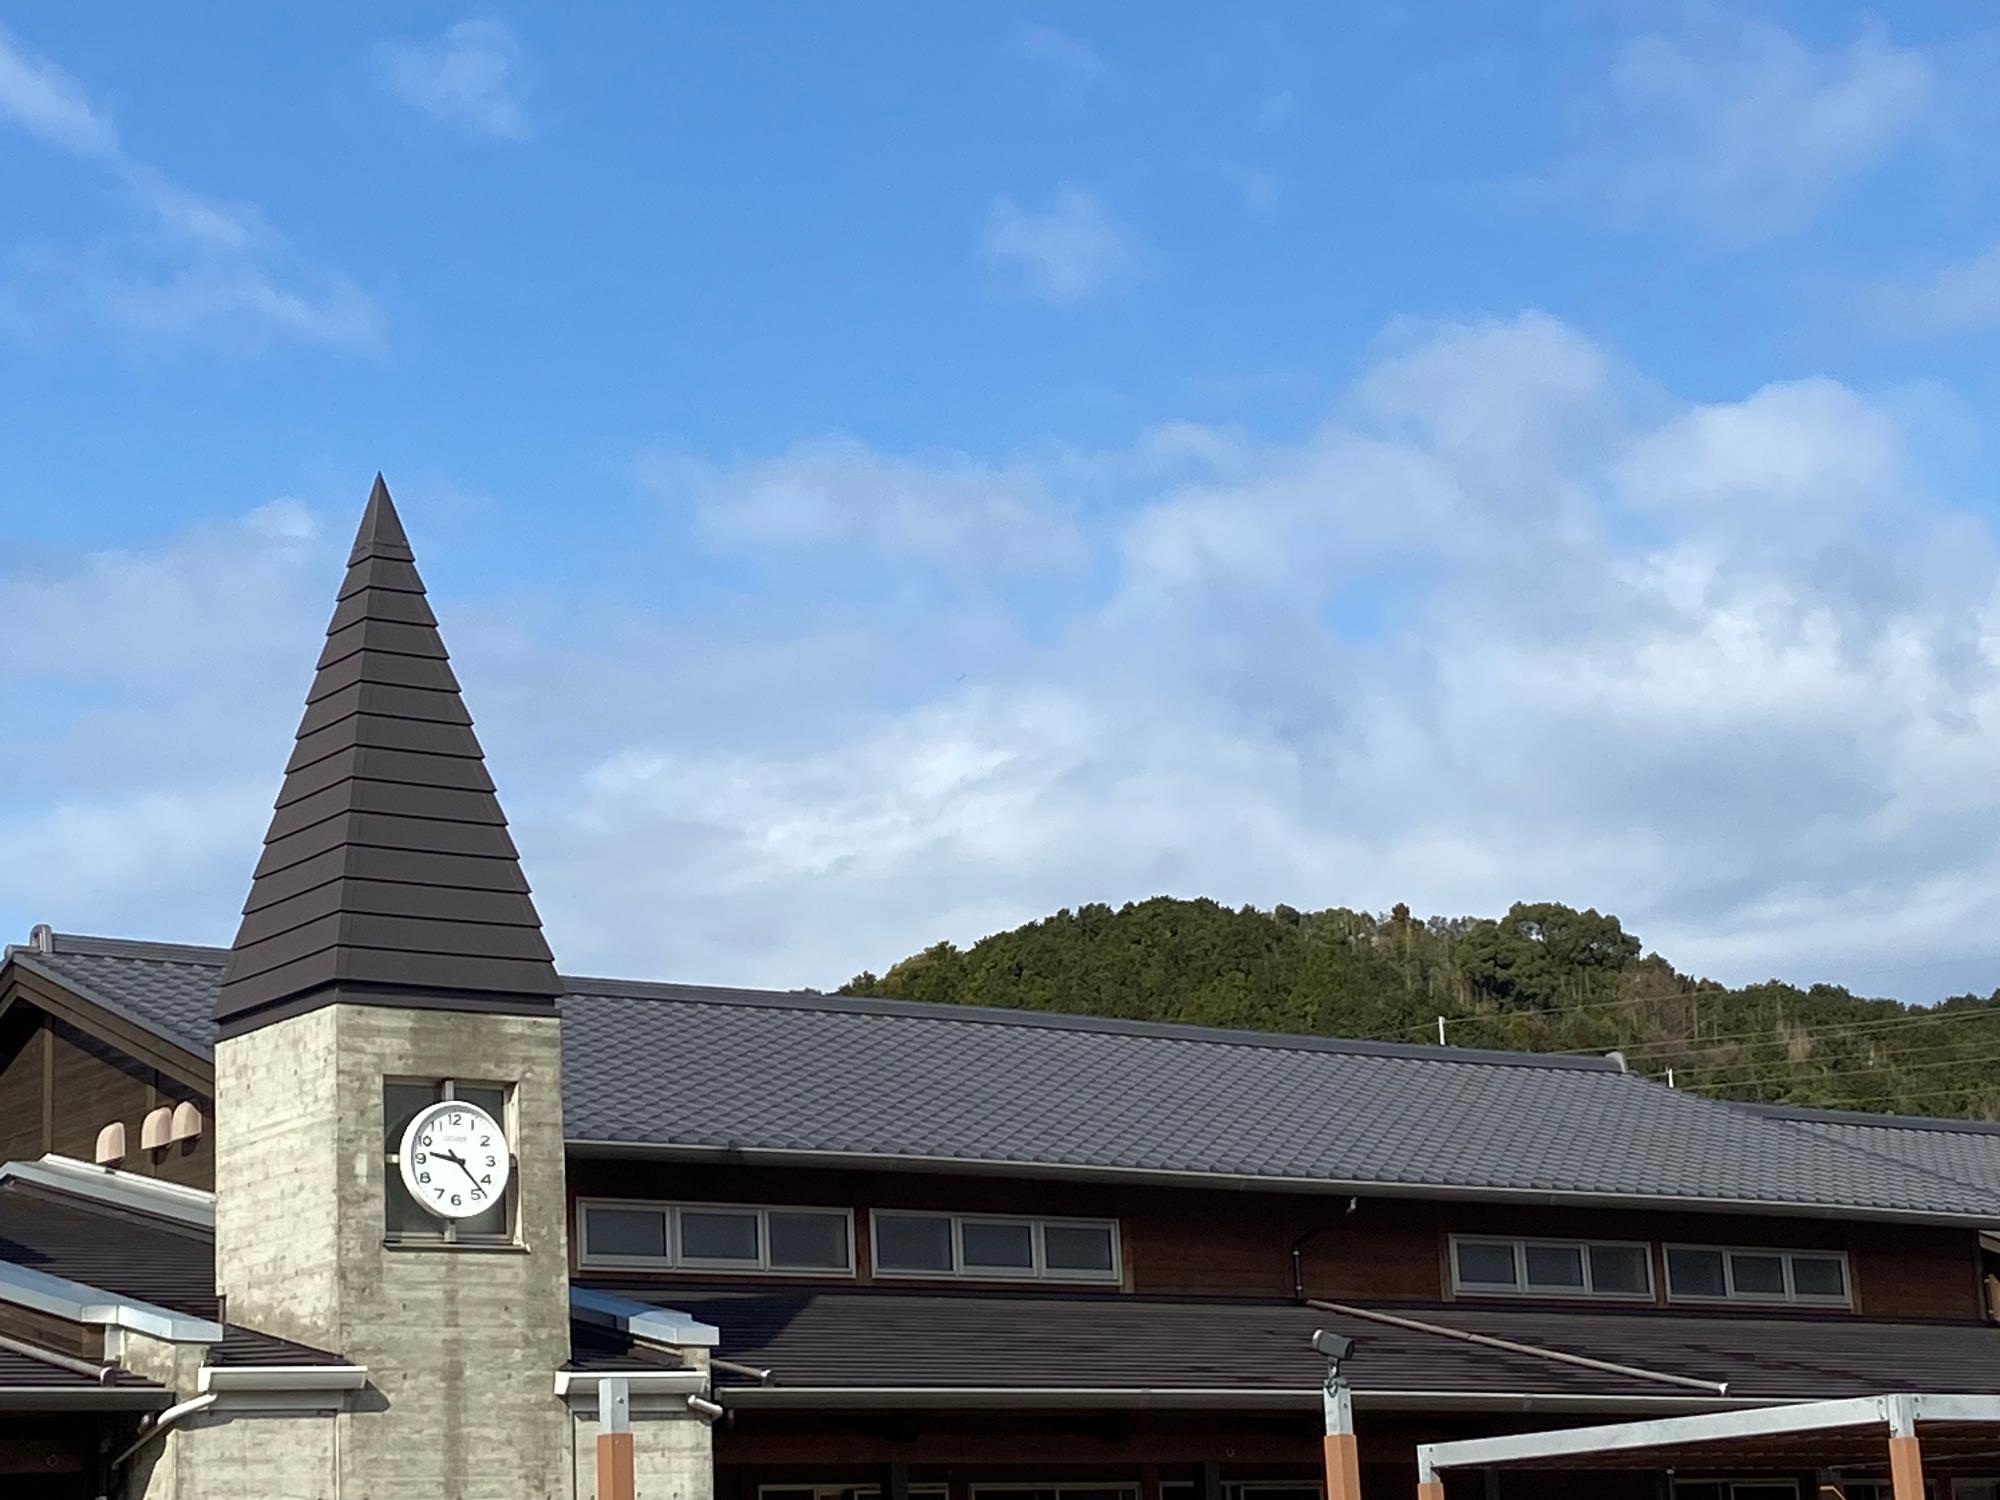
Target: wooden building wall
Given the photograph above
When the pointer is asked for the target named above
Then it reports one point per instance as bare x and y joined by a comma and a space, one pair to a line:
1193, 1242
59, 1086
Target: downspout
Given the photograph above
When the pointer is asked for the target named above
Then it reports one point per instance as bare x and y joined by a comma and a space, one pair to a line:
171, 1417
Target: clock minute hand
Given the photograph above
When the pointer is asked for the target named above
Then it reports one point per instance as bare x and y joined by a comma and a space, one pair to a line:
458, 1161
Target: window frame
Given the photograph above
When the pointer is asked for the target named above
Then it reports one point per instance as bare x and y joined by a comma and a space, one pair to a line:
1039, 1271
674, 1261
1523, 1288
449, 1233
1790, 1297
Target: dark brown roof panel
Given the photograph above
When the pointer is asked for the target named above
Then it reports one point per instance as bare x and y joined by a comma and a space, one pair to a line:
386, 636
387, 873
400, 609
387, 669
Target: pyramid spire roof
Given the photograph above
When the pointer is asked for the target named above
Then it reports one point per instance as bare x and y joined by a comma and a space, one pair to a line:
387, 876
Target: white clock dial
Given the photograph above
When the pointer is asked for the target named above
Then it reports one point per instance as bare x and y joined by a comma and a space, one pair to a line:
454, 1159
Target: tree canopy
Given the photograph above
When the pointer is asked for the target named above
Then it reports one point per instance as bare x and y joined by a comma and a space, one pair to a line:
1543, 977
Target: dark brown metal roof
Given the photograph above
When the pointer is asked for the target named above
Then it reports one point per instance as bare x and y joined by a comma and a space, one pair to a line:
387, 876
869, 1339
29, 1382
118, 1250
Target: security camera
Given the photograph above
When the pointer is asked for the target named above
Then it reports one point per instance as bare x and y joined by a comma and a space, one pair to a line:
1333, 1346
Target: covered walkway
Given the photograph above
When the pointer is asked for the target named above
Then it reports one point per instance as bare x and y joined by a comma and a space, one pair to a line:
1899, 1441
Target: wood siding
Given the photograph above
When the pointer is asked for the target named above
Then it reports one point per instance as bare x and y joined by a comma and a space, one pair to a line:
1194, 1242
59, 1086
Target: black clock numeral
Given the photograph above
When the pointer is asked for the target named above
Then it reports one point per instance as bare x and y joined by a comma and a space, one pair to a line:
423, 1177
457, 1119
456, 1201
437, 1192
485, 1140
492, 1161
478, 1196
426, 1139
487, 1179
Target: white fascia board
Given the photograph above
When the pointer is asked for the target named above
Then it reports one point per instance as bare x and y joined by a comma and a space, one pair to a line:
1626, 1437
65, 1174
642, 1320
580, 1386
282, 1378
77, 1303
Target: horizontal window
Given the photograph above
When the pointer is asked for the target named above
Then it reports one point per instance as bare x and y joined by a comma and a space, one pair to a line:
715, 1237
1483, 1267
995, 1247
1714, 1273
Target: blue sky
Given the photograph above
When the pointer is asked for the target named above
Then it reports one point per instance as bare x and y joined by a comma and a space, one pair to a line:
888, 471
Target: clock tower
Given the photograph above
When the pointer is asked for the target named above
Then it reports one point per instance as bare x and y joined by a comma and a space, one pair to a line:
389, 997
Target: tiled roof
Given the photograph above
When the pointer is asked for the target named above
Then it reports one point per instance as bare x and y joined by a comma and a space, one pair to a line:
861, 1339
820, 1076
1964, 1150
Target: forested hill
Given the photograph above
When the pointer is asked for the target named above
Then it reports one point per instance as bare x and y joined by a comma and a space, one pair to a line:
1544, 978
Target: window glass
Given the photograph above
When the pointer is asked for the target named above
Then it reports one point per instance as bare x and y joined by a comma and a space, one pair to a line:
1695, 1273
1555, 1266
808, 1242
400, 1103
626, 1231
1077, 1247
1620, 1268
1818, 1276
1486, 1265
1758, 1275
998, 1245
911, 1243
707, 1234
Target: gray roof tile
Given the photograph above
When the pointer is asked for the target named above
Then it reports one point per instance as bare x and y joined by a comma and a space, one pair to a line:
721, 1069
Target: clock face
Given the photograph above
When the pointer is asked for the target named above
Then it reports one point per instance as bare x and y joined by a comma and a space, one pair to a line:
454, 1160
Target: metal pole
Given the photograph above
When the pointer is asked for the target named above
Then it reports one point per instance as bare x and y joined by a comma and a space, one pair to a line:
615, 1477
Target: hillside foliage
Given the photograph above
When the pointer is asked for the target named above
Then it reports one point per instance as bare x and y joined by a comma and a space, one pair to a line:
1544, 977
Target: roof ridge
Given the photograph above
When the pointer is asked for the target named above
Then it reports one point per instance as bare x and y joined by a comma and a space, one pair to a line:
1049, 1020
586, 986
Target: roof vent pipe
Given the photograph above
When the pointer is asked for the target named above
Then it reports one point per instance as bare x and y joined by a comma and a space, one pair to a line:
42, 938
1619, 1058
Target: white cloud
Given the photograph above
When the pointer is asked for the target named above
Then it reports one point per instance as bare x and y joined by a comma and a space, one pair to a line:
1068, 251
473, 78
1512, 622
45, 101
1073, 64
186, 264
948, 510
1276, 110
1958, 298
1744, 126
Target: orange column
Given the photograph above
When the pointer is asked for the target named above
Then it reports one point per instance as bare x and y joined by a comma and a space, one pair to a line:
615, 1479
1906, 1468
1433, 1489
1343, 1467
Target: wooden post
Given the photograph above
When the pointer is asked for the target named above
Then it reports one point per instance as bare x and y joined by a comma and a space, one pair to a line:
1343, 1457
1430, 1489
616, 1479
895, 1482
1906, 1460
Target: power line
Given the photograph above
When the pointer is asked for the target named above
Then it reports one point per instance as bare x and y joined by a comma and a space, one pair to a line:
1918, 1067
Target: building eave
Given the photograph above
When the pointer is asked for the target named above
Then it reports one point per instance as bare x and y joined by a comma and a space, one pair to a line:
1218, 1181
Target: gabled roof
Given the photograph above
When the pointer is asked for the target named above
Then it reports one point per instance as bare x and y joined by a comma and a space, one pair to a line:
387, 875
818, 1078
